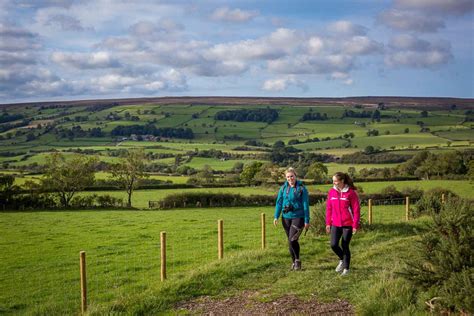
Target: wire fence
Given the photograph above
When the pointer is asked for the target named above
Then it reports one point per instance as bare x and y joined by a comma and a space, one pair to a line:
121, 264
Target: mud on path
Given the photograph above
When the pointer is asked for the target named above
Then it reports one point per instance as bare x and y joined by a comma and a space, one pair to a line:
246, 304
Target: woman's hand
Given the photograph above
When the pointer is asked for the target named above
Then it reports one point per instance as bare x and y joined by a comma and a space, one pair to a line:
328, 229
306, 226
354, 230
275, 221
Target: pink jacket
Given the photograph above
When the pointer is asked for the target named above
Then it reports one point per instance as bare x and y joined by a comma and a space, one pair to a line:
343, 208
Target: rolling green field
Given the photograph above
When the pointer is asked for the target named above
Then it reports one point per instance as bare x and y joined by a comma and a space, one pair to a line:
446, 129
39, 260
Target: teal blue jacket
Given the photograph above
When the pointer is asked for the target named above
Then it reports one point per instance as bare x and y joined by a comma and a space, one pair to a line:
297, 197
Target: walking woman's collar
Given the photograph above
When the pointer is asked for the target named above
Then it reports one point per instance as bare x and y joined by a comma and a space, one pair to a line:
344, 190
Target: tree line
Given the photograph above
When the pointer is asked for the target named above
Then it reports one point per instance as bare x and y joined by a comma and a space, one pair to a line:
248, 115
64, 178
151, 129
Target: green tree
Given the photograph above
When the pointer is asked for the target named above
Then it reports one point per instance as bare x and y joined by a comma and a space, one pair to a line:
442, 267
7, 188
376, 116
238, 167
317, 172
130, 171
470, 172
351, 171
411, 165
65, 177
206, 175
269, 171
250, 170
369, 150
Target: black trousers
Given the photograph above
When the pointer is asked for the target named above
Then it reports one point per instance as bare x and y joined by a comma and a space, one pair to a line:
343, 252
293, 228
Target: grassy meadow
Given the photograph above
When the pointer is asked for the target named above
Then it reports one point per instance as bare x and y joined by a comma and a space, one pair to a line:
39, 260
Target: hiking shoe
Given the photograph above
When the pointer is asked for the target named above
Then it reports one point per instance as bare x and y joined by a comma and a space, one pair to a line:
297, 264
345, 272
292, 266
340, 267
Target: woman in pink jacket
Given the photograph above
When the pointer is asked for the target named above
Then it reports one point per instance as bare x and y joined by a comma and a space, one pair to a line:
342, 218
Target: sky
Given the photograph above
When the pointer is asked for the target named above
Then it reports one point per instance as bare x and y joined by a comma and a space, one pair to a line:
94, 49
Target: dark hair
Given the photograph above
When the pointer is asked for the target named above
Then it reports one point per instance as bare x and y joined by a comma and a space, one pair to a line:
344, 177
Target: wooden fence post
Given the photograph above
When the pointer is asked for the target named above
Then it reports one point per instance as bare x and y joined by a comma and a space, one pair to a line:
370, 211
262, 221
83, 281
163, 255
220, 239
407, 208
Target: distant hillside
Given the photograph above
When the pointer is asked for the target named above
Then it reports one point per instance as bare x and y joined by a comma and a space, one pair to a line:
407, 102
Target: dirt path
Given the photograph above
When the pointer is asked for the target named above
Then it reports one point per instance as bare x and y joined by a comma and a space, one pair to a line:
247, 303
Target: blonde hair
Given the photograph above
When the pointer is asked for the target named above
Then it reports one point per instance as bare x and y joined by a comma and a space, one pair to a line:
291, 170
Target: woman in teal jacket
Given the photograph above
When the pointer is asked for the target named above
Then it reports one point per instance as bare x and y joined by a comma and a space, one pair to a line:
293, 204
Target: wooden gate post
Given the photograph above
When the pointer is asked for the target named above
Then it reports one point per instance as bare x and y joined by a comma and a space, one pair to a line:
220, 239
262, 221
370, 211
407, 208
82, 264
163, 255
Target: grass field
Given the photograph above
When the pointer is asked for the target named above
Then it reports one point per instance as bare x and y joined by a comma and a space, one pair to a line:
39, 261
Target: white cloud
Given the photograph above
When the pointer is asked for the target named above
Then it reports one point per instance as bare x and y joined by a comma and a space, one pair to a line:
66, 23
162, 29
343, 77
339, 75
170, 80
347, 28
305, 64
13, 38
348, 82
122, 44
411, 51
233, 15
315, 45
410, 21
361, 45
95, 60
174, 79
25, 81
282, 84
276, 44
442, 7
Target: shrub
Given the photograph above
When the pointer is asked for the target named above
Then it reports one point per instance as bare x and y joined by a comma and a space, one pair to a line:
443, 265
390, 191
84, 201
318, 218
209, 199
431, 201
34, 201
109, 201
413, 193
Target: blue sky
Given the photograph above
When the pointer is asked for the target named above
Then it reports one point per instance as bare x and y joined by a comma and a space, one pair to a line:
64, 49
